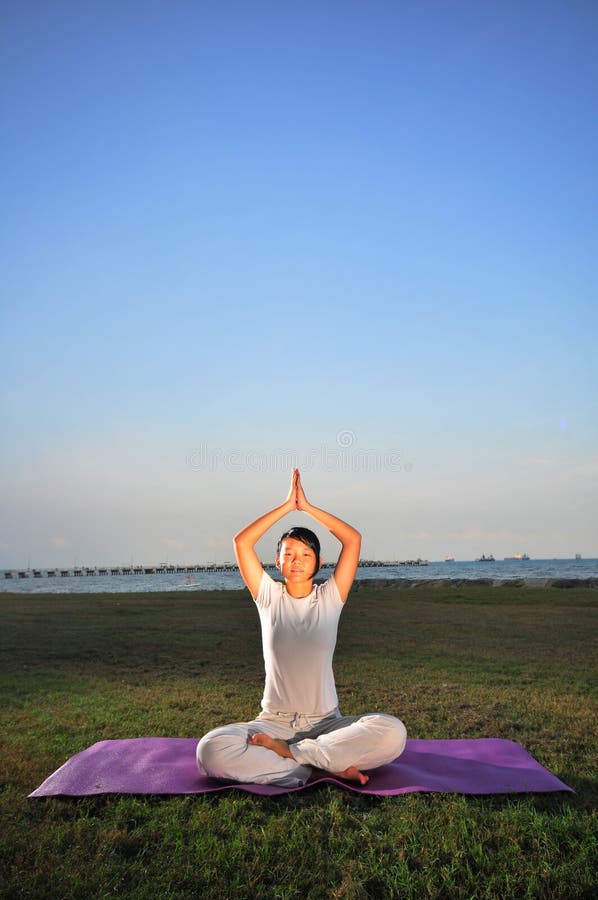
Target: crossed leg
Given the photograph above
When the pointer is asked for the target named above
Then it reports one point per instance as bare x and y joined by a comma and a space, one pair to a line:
282, 748
267, 751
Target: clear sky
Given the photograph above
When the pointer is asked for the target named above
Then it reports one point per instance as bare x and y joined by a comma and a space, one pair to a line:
358, 237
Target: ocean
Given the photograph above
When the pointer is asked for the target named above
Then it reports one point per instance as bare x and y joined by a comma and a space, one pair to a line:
230, 580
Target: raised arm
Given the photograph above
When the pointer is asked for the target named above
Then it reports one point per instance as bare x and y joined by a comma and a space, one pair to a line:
349, 537
245, 540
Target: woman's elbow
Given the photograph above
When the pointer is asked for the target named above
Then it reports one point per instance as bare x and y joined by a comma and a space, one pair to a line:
241, 543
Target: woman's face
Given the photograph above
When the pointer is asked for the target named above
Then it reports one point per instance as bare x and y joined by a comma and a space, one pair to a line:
296, 560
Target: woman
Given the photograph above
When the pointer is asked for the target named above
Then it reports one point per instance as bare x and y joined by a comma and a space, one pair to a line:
300, 727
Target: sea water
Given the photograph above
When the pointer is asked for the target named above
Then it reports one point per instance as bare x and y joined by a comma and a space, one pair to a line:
231, 580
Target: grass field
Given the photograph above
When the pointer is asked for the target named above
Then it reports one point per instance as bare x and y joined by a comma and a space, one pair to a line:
511, 662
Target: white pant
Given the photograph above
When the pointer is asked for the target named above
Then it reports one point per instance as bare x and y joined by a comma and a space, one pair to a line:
332, 743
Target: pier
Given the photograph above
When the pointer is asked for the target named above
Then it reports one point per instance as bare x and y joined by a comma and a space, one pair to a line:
168, 569
88, 571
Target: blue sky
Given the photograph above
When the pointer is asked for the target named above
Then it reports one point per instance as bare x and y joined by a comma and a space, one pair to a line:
233, 232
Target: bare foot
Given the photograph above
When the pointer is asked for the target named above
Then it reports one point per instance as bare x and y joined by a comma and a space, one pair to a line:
352, 773
278, 746
281, 747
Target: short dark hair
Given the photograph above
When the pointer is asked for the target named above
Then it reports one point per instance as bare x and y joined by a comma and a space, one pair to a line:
306, 537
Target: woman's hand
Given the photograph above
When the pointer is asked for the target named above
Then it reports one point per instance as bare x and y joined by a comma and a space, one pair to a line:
296, 498
301, 500
291, 502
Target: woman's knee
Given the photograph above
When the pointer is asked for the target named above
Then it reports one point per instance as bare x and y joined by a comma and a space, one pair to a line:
392, 732
399, 735
216, 748
204, 753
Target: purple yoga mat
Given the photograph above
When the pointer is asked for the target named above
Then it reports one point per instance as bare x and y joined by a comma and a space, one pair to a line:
167, 766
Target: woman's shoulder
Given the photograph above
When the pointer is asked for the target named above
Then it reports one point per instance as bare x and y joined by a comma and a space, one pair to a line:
328, 590
269, 588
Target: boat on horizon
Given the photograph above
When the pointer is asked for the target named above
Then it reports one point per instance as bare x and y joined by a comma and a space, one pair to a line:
484, 558
449, 559
518, 556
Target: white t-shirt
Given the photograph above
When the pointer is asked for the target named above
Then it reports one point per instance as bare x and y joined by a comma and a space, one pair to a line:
298, 639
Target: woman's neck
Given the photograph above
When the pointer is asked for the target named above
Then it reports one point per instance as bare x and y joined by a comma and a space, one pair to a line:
299, 589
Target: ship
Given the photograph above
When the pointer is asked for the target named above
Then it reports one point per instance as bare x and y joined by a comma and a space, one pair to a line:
518, 556
484, 558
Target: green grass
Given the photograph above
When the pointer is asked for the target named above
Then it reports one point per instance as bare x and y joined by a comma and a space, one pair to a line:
510, 662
